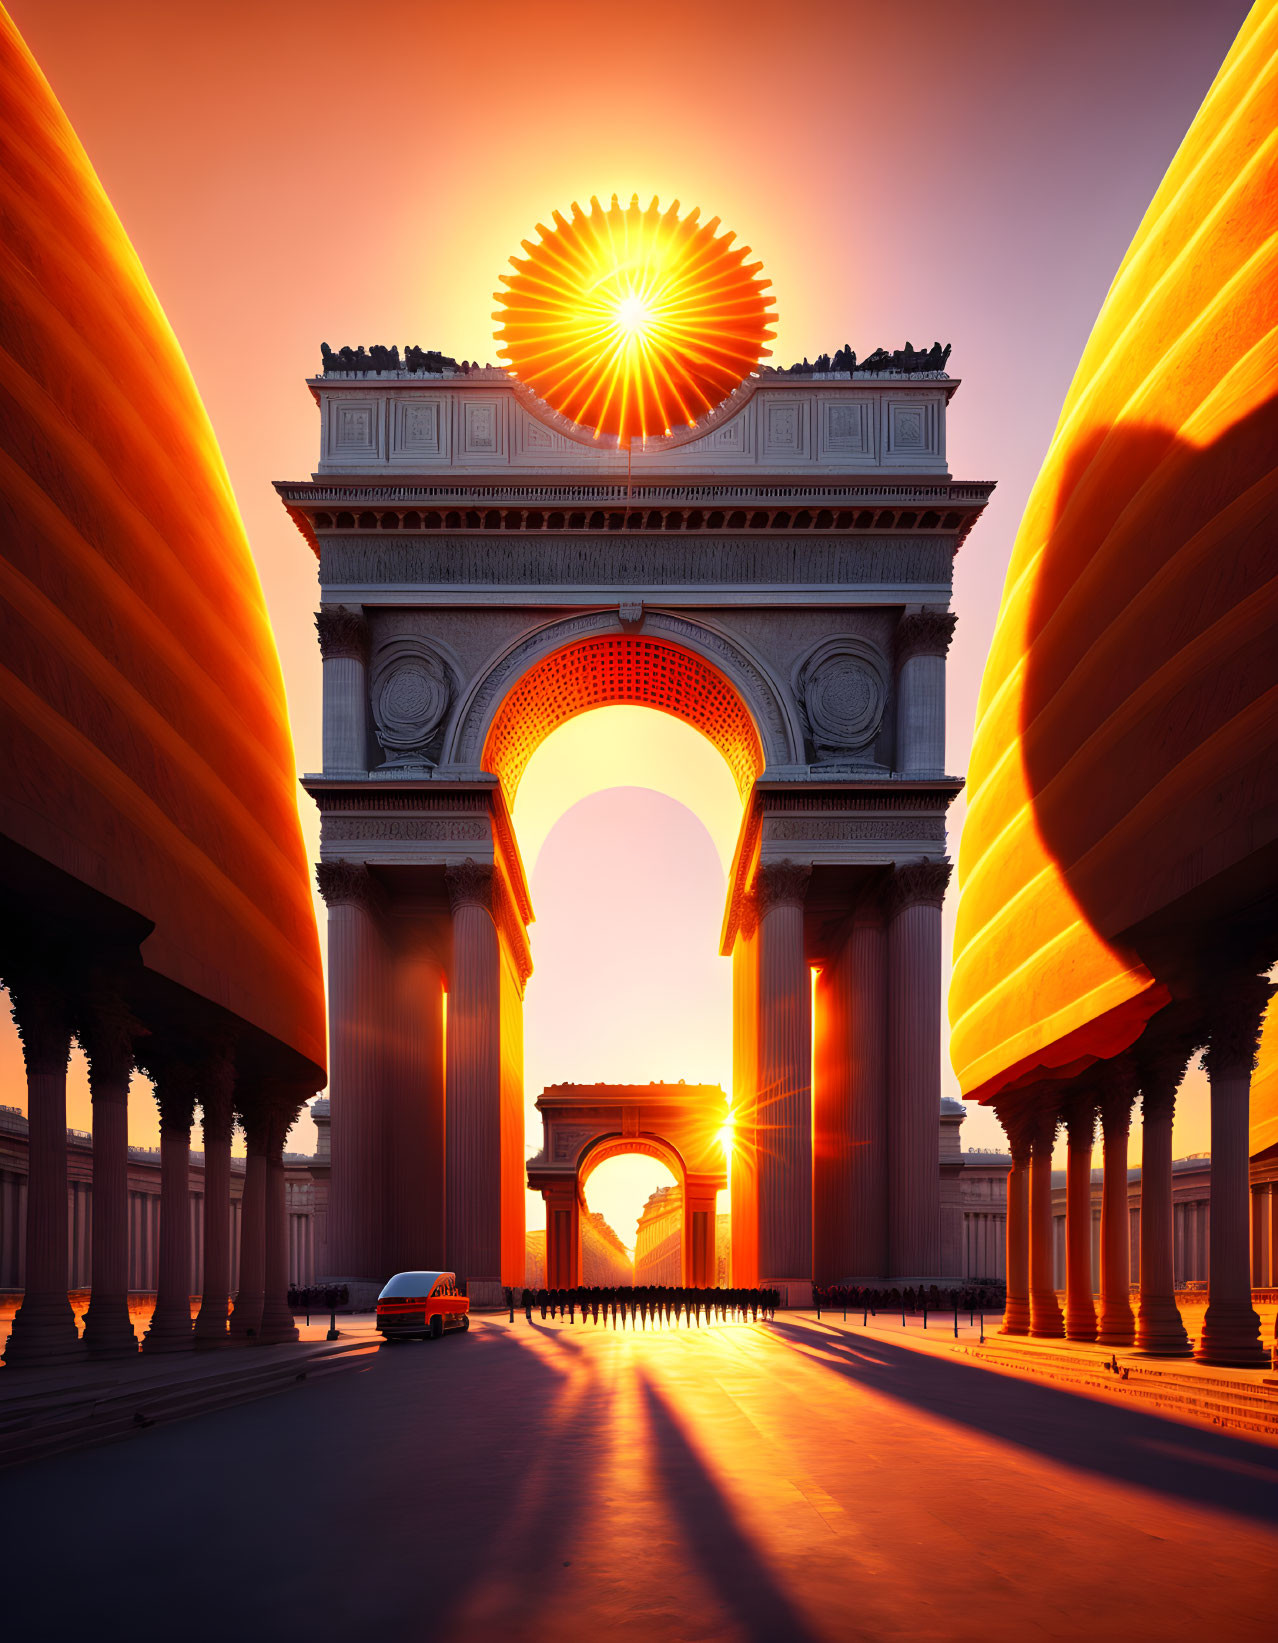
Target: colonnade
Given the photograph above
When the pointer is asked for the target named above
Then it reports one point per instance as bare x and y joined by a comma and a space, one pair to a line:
54, 1002
1105, 1097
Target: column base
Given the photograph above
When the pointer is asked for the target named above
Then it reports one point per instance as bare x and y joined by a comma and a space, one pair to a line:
1046, 1322
168, 1338
1160, 1330
108, 1330
1016, 1317
211, 1329
1116, 1327
1231, 1337
795, 1293
1080, 1323
43, 1333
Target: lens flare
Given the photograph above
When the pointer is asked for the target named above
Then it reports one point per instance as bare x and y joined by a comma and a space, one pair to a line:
630, 321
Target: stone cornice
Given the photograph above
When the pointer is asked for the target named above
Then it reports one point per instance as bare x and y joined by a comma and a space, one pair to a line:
342, 631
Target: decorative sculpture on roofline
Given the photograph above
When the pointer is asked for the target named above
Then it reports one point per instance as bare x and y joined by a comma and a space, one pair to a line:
907, 361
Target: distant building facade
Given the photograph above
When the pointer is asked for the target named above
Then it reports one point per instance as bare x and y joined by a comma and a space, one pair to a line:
300, 1192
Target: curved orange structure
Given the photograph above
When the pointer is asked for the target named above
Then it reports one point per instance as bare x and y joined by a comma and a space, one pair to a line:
630, 321
143, 729
1124, 777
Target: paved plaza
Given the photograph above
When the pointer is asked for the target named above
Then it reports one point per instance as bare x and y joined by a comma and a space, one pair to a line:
797, 1481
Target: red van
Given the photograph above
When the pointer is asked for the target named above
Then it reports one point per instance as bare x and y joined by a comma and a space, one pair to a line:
420, 1305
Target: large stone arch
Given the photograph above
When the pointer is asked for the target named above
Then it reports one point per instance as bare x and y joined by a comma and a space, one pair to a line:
613, 657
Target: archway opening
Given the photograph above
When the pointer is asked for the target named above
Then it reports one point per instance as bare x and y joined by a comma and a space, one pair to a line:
627, 820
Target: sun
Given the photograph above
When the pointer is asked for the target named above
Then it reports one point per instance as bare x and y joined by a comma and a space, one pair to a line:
631, 321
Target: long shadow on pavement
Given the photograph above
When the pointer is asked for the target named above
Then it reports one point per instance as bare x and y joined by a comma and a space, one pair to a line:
715, 1541
1126, 1444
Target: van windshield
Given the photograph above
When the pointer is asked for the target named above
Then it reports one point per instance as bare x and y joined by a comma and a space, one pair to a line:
405, 1284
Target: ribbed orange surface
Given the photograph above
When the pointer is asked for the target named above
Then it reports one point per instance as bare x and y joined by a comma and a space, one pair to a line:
143, 732
1126, 749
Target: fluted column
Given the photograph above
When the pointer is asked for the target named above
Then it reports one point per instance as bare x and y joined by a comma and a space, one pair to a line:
1045, 1309
1116, 1325
1080, 1306
563, 1235
473, 1084
914, 1069
863, 977
217, 1106
785, 1084
1016, 1313
107, 1031
922, 642
44, 1330
343, 639
356, 1009
743, 1181
1160, 1329
1273, 1243
277, 1318
246, 1316
1231, 1327
174, 1078
415, 1196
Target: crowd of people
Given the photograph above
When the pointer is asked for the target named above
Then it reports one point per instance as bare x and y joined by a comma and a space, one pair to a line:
970, 1298
647, 1306
317, 1297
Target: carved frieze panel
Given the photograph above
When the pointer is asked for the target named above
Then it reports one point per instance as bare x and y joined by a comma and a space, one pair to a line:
853, 827
912, 430
482, 431
842, 687
354, 429
784, 427
412, 688
418, 429
340, 829
570, 1139
602, 561
845, 426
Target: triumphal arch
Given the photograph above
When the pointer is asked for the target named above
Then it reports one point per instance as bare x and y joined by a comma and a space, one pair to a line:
778, 576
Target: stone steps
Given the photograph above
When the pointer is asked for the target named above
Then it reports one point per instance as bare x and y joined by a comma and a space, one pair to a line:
49, 1421
1223, 1401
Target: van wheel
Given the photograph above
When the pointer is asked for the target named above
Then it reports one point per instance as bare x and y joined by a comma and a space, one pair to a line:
436, 1327
465, 1323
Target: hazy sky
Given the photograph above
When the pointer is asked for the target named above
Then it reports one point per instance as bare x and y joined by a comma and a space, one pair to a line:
293, 171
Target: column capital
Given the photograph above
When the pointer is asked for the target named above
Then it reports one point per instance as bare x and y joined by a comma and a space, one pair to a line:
216, 1089
470, 884
42, 1012
1118, 1089
917, 884
171, 1069
108, 1032
1235, 1014
348, 884
1018, 1127
923, 633
1042, 1123
1079, 1113
343, 631
748, 919
780, 884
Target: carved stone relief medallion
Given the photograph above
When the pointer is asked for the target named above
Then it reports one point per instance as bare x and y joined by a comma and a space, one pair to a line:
411, 687
842, 689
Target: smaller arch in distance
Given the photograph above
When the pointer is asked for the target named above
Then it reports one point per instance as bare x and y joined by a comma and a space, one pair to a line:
604, 1147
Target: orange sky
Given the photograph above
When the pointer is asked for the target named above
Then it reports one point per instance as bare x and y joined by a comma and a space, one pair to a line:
300, 170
